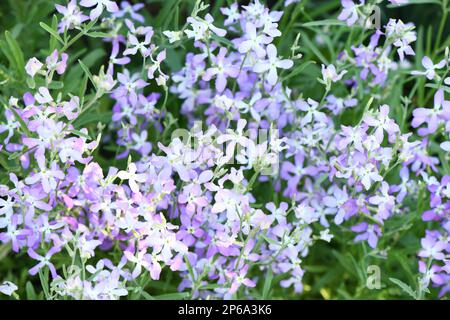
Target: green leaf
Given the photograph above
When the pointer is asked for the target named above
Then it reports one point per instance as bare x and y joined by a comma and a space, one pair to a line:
407, 289
81, 134
53, 32
98, 34
31, 293
267, 284
298, 69
270, 241
17, 54
172, 296
88, 73
320, 23
86, 118
54, 40
345, 262
308, 44
410, 2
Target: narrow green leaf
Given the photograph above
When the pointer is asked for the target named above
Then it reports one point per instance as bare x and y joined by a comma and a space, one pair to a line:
172, 296
86, 70
52, 32
267, 284
17, 53
407, 289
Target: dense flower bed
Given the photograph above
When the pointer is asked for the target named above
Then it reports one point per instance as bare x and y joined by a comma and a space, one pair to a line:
222, 151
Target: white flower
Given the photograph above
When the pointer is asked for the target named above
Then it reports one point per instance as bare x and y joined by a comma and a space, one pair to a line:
254, 41
200, 28
329, 75
173, 36
111, 6
271, 64
132, 177
33, 66
325, 235
8, 288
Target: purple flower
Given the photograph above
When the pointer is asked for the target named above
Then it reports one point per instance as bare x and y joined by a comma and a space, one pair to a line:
222, 68
430, 116
382, 122
72, 16
349, 12
432, 248
369, 232
44, 261
54, 64
430, 68
238, 279
48, 177
131, 9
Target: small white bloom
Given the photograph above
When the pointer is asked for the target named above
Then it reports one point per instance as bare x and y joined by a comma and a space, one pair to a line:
173, 36
325, 235
8, 288
329, 75
33, 66
271, 64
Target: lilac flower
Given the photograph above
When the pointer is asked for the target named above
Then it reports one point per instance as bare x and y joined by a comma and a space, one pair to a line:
222, 69
113, 60
336, 105
293, 173
432, 248
254, 41
11, 125
48, 177
430, 68
369, 174
44, 261
54, 64
232, 13
111, 6
72, 16
382, 123
369, 232
8, 288
278, 214
384, 201
336, 203
127, 8
190, 230
349, 12
271, 64
140, 260
15, 234
433, 273
311, 108
129, 86
201, 28
238, 279
329, 75
402, 36
431, 116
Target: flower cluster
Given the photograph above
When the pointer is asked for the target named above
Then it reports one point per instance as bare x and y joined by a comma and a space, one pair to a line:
261, 173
